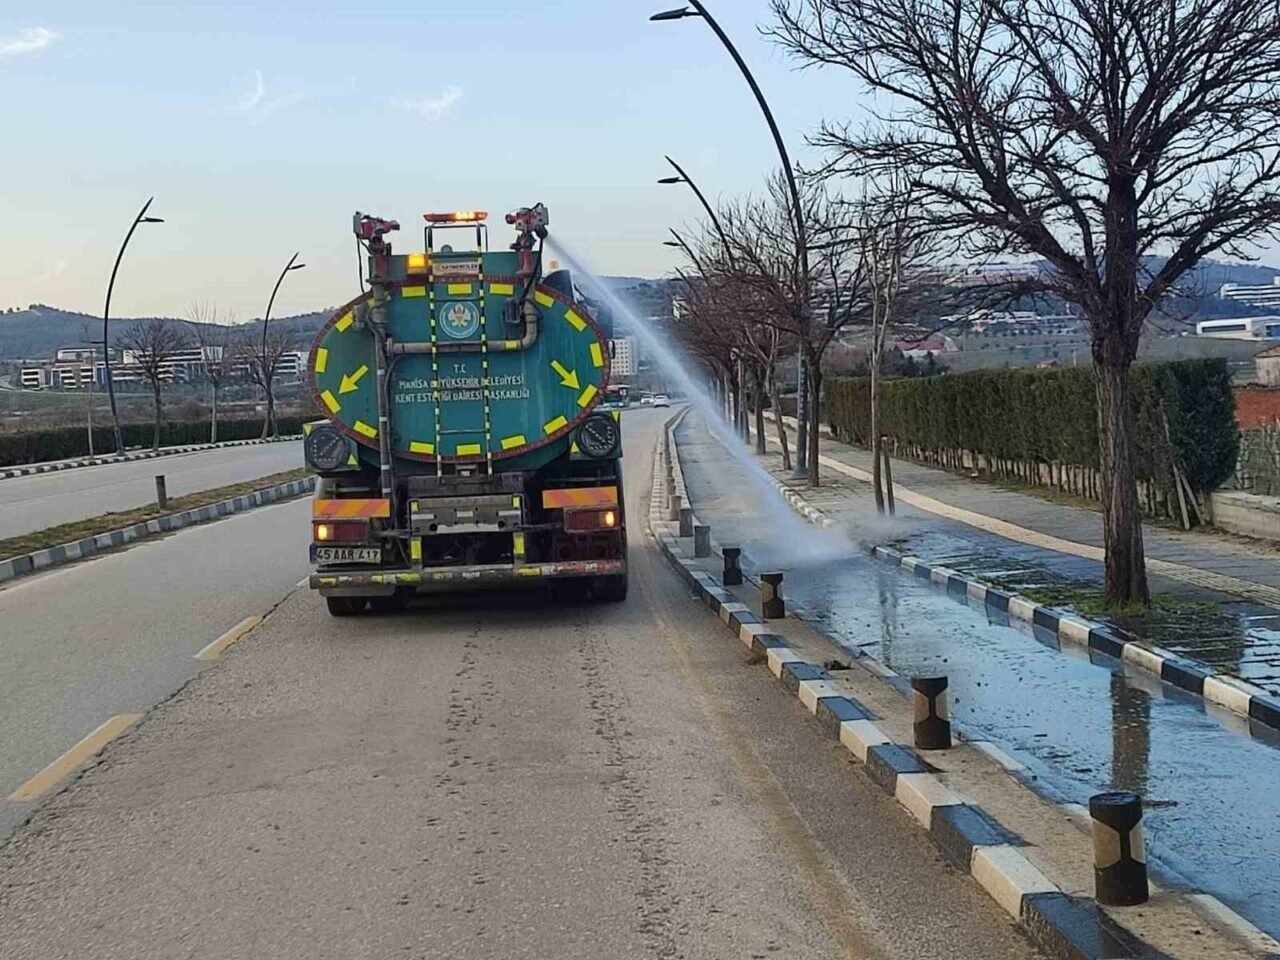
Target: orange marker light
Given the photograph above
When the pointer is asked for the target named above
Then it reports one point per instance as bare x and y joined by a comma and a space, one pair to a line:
458, 216
417, 263
324, 531
610, 518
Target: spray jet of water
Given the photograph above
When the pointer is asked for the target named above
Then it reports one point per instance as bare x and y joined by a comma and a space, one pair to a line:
792, 542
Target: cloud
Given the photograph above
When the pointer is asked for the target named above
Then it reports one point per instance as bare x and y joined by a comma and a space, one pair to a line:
431, 108
258, 106
27, 41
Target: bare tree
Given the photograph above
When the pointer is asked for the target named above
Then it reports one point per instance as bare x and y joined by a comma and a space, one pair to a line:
264, 356
219, 342
765, 250
1120, 141
152, 346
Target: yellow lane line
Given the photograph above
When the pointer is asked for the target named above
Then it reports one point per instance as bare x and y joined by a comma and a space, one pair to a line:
235, 634
1258, 592
65, 765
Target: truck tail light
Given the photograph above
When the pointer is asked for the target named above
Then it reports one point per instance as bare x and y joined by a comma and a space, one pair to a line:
339, 532
587, 521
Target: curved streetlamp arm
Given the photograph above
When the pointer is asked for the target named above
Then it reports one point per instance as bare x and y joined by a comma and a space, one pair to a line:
680, 242
715, 220
271, 302
106, 316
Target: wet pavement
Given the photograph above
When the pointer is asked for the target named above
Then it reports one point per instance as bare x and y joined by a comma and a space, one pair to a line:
1080, 723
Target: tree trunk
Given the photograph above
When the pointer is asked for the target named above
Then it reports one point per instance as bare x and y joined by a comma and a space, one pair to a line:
213, 418
1126, 570
759, 388
268, 422
776, 405
877, 482
155, 433
815, 391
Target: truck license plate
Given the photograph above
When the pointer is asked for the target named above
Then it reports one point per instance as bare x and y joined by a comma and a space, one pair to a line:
327, 555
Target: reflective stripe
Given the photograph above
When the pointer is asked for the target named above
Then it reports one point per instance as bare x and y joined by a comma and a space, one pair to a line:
459, 288
468, 449
322, 359
502, 289
597, 355
580, 497
344, 321
331, 401
350, 508
587, 395
551, 426
410, 292
363, 428
543, 299
510, 443
415, 549
416, 446
575, 321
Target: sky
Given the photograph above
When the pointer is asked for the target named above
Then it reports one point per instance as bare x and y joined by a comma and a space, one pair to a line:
261, 128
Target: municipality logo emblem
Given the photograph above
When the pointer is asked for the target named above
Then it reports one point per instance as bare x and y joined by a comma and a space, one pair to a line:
459, 320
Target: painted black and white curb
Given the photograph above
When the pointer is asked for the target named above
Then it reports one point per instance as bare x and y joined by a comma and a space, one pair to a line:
967, 836
80, 549
28, 469
1233, 694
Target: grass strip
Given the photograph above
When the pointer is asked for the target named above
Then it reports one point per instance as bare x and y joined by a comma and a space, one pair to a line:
104, 523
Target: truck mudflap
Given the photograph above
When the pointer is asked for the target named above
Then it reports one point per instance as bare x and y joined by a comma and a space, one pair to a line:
374, 582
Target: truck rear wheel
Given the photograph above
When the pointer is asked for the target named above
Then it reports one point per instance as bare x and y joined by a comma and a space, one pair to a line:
345, 606
392, 604
610, 589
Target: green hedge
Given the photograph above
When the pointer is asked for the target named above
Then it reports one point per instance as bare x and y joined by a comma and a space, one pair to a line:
1034, 423
36, 446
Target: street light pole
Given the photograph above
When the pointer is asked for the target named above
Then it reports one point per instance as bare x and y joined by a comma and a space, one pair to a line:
268, 425
715, 219
802, 240
106, 314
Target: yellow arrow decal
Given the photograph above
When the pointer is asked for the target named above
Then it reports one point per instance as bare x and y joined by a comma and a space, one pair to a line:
351, 383
568, 378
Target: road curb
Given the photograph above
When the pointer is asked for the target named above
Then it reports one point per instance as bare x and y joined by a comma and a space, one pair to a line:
30, 469
971, 840
66, 553
1199, 679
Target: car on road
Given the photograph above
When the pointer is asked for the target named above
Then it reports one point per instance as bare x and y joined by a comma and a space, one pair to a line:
660, 400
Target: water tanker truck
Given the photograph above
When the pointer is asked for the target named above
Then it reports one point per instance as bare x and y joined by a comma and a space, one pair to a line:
463, 445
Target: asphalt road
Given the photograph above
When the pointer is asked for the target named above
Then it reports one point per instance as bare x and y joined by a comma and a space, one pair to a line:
45, 500
118, 633
496, 776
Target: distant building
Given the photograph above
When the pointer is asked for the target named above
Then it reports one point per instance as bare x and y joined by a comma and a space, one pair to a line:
1241, 328
623, 351
1267, 365
1262, 295
919, 349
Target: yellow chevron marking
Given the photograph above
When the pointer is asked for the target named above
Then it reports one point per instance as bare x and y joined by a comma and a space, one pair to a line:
416, 446
363, 428
459, 288
344, 321
542, 299
351, 383
587, 395
410, 292
351, 460
597, 355
331, 401
468, 449
502, 289
415, 549
322, 359
575, 321
510, 443
568, 378
551, 426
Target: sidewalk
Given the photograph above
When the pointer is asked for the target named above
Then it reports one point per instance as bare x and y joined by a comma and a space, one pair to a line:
1217, 597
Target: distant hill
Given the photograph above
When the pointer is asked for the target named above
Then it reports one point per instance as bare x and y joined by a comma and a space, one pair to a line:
40, 330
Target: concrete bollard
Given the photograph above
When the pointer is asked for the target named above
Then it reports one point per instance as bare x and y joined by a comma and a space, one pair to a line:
673, 507
686, 521
701, 540
1119, 854
932, 726
671, 488
772, 606
162, 495
732, 566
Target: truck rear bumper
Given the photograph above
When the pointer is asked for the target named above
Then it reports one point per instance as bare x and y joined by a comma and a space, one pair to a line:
382, 582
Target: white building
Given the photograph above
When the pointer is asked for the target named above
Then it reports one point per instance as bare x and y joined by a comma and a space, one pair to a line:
623, 351
1241, 328
1262, 295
